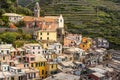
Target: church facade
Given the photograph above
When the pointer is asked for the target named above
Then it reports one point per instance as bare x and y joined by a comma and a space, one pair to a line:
38, 21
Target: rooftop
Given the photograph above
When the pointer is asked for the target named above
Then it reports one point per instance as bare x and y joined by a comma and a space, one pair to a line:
69, 63
12, 14
5, 74
40, 58
27, 70
98, 74
63, 76
5, 46
34, 44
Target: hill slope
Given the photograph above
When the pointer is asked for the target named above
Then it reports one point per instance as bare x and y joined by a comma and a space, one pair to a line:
93, 18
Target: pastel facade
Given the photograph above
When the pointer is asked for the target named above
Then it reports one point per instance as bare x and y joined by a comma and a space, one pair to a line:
52, 68
72, 40
33, 48
51, 63
100, 43
41, 65
5, 48
55, 47
46, 20
46, 35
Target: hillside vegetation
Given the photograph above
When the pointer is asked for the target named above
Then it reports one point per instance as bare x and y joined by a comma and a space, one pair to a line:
93, 18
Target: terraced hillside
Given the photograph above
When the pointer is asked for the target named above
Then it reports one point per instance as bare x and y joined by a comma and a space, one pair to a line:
74, 11
93, 18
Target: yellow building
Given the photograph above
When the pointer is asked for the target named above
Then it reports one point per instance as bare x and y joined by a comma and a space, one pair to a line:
41, 65
52, 68
46, 35
51, 63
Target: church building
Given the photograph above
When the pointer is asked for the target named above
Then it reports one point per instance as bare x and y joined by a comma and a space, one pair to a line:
38, 21
50, 27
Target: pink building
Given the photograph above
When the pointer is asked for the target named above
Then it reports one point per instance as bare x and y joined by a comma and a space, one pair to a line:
72, 40
30, 58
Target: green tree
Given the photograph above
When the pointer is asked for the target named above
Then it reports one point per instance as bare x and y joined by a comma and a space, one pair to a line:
8, 37
20, 24
27, 37
18, 43
2, 11
21, 10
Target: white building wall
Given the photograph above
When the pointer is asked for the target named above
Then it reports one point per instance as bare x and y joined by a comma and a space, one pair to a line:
61, 22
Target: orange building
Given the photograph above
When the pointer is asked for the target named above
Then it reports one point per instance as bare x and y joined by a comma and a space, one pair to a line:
85, 43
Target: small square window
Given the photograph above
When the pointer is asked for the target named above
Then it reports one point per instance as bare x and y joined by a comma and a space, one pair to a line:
41, 38
48, 33
47, 44
47, 38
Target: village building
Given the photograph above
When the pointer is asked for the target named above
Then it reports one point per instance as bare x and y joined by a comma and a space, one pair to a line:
72, 40
13, 17
34, 48
100, 43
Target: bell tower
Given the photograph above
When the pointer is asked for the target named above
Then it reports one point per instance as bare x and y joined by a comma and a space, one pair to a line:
37, 10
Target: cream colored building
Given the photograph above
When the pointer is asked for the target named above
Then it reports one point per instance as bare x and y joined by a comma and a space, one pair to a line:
46, 35
13, 17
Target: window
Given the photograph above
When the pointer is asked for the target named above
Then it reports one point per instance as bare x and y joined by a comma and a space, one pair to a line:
38, 52
46, 72
60, 20
3, 58
32, 59
41, 38
31, 64
52, 66
59, 51
44, 64
47, 44
40, 33
48, 33
33, 47
37, 64
7, 51
59, 46
47, 38
19, 70
39, 47
42, 72
2, 51
33, 52
41, 63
